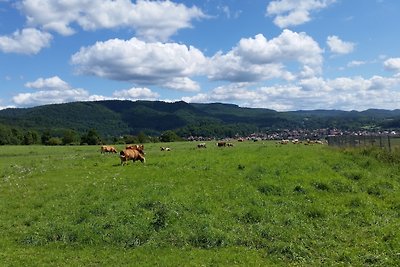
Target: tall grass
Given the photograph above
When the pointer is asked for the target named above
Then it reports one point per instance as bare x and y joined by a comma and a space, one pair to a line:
252, 204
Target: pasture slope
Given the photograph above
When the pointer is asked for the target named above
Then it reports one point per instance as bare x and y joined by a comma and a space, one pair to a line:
254, 204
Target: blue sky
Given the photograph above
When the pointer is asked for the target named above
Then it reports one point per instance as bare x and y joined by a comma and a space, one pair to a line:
281, 54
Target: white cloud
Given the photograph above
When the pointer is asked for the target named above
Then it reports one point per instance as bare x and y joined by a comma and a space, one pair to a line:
336, 45
50, 97
28, 41
229, 13
182, 84
136, 94
55, 90
4, 107
356, 63
50, 90
314, 93
163, 64
172, 65
256, 59
294, 12
152, 20
52, 83
227, 93
392, 64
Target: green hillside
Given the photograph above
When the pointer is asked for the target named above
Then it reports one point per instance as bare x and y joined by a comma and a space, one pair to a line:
116, 118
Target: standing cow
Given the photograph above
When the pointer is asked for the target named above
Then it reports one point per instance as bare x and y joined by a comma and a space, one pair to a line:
131, 154
221, 143
108, 149
201, 145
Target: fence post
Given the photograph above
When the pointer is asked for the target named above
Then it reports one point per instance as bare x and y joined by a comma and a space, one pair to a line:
390, 148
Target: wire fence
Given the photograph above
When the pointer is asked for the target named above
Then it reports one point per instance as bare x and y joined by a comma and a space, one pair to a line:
383, 141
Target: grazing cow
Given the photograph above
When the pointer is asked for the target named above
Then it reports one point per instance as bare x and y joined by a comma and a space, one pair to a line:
131, 154
136, 147
165, 148
108, 149
139, 148
312, 142
221, 143
284, 142
229, 144
201, 145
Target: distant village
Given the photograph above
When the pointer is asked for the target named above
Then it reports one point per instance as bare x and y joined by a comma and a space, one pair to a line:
300, 134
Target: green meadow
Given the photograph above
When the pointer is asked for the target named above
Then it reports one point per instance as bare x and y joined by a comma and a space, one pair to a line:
254, 204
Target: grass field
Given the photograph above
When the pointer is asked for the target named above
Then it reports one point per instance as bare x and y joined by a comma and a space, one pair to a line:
255, 204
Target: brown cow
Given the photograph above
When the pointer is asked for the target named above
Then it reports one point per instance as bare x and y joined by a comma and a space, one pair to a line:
131, 154
221, 143
137, 147
108, 149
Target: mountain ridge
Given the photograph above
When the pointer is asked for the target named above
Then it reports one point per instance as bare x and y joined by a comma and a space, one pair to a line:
119, 117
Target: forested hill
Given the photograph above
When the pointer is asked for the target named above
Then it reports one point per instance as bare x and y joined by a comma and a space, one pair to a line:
116, 118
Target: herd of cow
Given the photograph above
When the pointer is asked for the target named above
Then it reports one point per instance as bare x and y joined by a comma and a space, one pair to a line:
131, 152
297, 141
136, 152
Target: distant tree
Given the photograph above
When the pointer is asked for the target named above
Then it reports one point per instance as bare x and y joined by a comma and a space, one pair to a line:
46, 135
54, 141
142, 138
70, 137
30, 138
5, 135
130, 139
91, 138
17, 137
169, 136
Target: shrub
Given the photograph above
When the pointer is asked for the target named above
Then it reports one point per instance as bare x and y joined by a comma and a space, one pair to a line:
54, 141
299, 189
270, 189
321, 186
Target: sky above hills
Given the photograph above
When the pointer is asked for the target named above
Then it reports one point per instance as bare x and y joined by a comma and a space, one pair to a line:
282, 54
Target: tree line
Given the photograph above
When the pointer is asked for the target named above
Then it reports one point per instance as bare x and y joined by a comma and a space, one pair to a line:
16, 136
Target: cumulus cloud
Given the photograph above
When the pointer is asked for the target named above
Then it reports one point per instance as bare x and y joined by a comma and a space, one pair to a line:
255, 59
163, 64
182, 84
50, 90
392, 64
311, 93
152, 20
172, 65
52, 83
336, 45
136, 94
294, 12
50, 97
5, 106
27, 41
55, 90
231, 93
